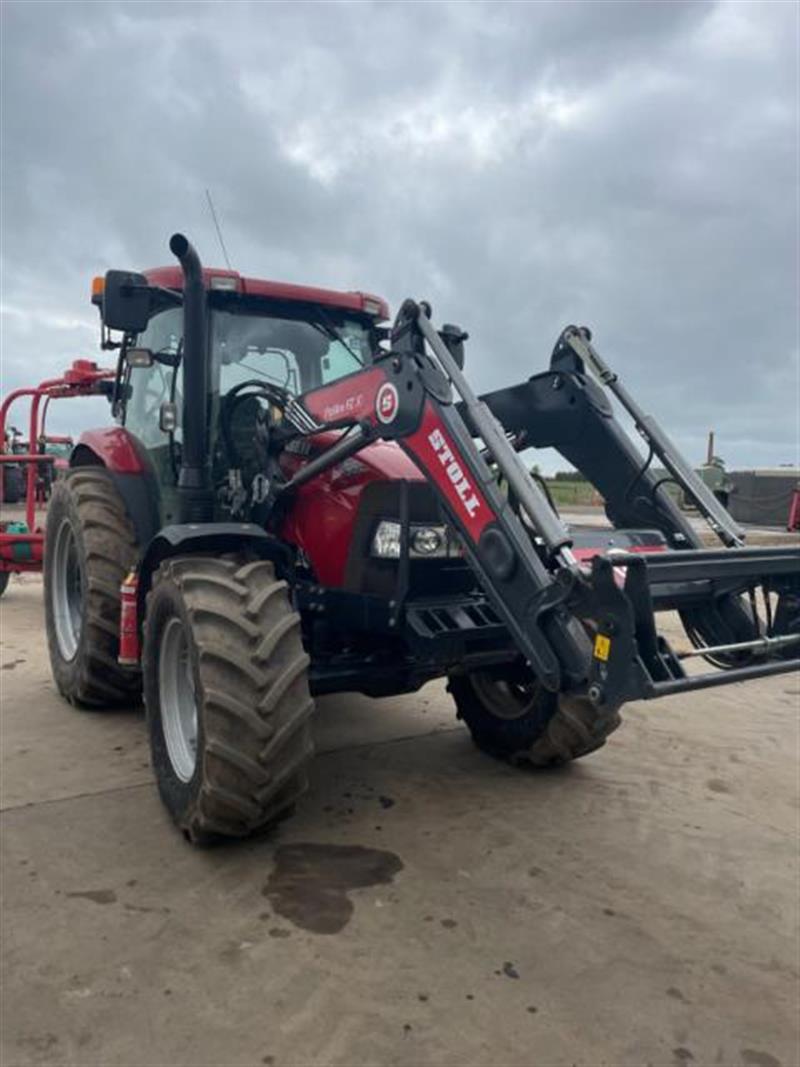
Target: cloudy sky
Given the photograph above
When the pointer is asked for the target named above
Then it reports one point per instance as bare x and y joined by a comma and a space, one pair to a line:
631, 166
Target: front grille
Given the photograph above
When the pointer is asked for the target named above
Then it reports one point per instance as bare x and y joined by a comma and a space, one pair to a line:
379, 577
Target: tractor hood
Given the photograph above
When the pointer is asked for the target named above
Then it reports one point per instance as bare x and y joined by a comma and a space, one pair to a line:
326, 515
381, 459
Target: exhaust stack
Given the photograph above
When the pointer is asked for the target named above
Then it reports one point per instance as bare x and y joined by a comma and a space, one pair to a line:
194, 480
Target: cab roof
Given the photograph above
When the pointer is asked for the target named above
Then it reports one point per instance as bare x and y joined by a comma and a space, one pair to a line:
232, 281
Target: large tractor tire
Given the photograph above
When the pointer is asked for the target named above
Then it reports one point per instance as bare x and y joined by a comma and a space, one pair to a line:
90, 546
227, 697
513, 717
13, 484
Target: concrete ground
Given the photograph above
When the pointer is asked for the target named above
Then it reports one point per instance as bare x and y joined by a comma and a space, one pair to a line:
640, 907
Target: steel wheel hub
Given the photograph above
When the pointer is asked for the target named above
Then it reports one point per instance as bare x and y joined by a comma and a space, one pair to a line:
67, 592
504, 698
177, 699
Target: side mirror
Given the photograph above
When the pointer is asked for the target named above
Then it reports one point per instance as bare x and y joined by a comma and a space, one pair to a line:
168, 417
139, 357
126, 301
146, 357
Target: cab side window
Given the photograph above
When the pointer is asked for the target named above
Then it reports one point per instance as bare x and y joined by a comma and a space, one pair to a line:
152, 386
341, 360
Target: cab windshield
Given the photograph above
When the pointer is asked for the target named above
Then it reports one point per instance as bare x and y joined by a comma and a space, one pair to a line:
297, 354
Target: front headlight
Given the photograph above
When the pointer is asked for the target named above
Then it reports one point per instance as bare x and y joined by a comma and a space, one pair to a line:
424, 541
386, 542
427, 540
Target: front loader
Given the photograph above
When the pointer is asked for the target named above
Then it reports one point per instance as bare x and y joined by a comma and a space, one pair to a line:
298, 500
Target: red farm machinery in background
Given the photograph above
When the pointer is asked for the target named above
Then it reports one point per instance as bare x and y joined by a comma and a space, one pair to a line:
32, 466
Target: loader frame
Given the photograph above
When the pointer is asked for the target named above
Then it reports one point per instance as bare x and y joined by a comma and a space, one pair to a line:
587, 631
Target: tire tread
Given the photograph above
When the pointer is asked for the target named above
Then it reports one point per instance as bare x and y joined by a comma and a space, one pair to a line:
109, 541
255, 707
562, 729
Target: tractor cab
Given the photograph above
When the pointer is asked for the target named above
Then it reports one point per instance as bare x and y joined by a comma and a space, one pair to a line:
262, 341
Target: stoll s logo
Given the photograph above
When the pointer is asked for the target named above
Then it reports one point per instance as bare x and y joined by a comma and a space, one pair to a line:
386, 403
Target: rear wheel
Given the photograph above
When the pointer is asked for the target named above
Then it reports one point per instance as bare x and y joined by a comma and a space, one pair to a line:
13, 484
511, 715
227, 697
90, 546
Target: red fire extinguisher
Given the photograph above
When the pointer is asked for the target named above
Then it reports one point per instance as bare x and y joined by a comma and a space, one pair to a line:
128, 622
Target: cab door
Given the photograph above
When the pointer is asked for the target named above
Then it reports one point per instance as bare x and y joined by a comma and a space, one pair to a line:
150, 387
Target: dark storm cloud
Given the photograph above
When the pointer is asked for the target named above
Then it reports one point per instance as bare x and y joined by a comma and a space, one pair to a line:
628, 165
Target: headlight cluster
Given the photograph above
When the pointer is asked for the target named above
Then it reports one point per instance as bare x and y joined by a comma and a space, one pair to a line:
424, 541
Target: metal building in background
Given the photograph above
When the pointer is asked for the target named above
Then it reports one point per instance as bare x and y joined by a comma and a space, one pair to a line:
762, 496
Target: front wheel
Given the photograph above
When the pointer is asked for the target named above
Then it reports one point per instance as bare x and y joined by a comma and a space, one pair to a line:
511, 715
227, 697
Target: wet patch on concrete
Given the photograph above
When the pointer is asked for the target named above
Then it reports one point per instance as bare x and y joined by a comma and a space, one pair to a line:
676, 994
97, 896
754, 1058
717, 785
145, 910
310, 882
43, 1044
683, 1055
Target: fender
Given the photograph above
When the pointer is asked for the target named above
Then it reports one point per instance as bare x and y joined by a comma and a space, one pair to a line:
126, 460
208, 539
116, 448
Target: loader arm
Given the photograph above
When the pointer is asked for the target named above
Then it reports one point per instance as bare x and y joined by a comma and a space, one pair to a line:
404, 396
568, 409
588, 632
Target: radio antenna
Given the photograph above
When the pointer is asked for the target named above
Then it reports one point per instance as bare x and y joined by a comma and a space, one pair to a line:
219, 231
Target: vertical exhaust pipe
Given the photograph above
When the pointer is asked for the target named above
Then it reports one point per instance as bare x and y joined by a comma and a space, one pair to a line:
194, 477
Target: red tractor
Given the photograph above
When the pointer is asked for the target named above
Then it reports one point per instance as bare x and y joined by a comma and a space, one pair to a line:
297, 500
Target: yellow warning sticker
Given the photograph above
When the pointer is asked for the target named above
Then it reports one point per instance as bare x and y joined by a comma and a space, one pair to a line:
602, 647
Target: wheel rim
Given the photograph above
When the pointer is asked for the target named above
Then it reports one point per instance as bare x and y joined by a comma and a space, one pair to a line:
503, 697
67, 595
177, 699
